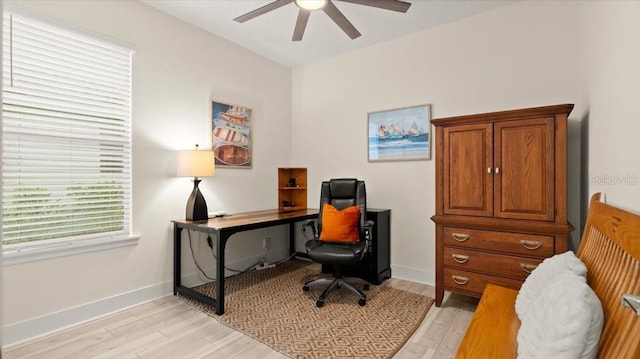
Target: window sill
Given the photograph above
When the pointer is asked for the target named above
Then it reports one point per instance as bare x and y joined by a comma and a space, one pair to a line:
18, 255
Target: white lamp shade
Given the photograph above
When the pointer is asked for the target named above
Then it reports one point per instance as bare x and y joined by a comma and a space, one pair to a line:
196, 163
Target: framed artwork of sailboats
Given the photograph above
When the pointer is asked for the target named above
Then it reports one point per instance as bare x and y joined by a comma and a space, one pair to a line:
401, 134
231, 134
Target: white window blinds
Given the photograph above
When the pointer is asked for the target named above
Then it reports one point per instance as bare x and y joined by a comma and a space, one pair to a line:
66, 135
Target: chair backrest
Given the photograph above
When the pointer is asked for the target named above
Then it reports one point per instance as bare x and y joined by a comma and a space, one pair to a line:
342, 193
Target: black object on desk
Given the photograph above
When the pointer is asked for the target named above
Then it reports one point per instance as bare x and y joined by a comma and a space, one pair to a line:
376, 264
223, 228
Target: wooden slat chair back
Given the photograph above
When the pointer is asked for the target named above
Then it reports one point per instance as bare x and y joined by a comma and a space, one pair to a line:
610, 248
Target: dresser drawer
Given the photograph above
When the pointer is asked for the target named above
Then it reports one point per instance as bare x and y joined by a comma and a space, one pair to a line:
473, 283
490, 263
506, 242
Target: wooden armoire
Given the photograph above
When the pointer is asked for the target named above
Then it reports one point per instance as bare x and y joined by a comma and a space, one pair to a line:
501, 196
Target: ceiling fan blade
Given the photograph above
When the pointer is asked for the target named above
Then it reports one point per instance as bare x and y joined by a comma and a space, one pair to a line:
301, 24
393, 5
337, 17
262, 10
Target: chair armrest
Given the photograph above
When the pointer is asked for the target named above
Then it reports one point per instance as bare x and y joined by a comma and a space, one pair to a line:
368, 225
310, 224
368, 236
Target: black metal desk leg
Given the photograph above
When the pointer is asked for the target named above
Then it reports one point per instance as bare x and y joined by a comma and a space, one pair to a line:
292, 238
177, 253
220, 244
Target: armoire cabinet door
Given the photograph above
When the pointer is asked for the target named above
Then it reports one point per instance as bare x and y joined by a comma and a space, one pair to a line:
524, 169
468, 170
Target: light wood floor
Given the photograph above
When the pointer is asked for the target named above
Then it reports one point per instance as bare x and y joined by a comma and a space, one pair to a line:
169, 328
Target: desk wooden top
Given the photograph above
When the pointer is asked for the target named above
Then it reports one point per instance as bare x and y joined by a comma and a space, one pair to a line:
244, 219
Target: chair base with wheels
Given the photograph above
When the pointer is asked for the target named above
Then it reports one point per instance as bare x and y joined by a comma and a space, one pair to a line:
336, 282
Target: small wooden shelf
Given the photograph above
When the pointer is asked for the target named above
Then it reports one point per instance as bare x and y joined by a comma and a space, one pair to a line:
291, 198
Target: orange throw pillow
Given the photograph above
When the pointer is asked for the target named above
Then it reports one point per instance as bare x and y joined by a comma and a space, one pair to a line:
340, 226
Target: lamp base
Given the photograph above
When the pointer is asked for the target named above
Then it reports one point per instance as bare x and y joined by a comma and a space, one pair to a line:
196, 205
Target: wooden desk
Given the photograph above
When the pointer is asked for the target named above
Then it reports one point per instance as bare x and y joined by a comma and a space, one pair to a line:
223, 228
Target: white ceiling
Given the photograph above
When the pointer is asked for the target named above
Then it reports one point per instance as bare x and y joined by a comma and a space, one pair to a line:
270, 34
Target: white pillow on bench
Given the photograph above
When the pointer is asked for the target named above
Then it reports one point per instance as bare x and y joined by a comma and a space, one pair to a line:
564, 321
561, 317
543, 275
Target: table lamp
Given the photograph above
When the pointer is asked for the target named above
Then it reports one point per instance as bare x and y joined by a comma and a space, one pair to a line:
196, 164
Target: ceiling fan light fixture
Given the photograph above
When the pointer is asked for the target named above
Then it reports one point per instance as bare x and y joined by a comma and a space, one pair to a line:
307, 6
311, 4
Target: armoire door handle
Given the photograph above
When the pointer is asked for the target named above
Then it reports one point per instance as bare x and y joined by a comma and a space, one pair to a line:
460, 237
459, 258
531, 244
460, 280
528, 267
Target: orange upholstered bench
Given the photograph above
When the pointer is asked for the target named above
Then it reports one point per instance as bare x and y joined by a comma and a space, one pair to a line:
610, 249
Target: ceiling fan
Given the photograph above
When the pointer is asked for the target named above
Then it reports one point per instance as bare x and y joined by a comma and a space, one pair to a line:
306, 6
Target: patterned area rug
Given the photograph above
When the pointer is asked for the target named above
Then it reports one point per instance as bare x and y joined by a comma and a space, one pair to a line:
270, 306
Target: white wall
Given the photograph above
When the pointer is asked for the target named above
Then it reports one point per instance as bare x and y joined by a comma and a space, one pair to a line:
177, 68
611, 55
517, 56
521, 55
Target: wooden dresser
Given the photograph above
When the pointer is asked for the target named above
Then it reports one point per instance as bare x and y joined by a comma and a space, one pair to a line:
501, 196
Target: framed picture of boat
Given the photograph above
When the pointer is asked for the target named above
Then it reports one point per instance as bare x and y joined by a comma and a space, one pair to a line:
400, 134
231, 134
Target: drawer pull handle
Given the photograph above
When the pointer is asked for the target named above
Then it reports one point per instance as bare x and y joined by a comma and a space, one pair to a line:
531, 244
460, 280
459, 258
528, 267
460, 237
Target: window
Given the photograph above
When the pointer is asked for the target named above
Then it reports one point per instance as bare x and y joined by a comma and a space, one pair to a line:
66, 138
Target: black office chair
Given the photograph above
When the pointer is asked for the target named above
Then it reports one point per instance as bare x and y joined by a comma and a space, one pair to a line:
341, 194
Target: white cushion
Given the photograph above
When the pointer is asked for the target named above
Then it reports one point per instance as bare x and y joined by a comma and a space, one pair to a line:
542, 276
563, 321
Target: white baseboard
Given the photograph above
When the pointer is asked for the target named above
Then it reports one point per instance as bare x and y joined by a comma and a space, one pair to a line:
20, 332
413, 274
40, 326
